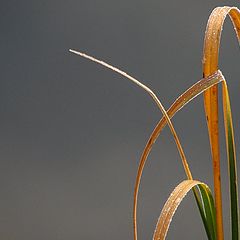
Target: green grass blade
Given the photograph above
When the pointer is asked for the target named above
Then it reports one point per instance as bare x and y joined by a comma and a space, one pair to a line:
229, 133
210, 211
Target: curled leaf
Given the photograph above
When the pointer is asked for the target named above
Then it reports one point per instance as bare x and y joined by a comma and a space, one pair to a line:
174, 201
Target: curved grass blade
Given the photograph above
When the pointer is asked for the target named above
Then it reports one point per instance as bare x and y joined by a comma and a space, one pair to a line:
166, 117
210, 65
174, 201
179, 103
154, 97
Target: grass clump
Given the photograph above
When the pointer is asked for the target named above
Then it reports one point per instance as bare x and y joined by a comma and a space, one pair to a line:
209, 205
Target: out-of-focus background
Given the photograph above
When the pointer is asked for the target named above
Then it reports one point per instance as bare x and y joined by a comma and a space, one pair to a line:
72, 132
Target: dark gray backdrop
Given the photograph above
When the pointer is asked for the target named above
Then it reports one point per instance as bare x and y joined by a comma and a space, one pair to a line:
72, 132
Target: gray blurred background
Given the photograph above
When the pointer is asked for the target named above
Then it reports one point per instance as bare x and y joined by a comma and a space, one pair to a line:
72, 132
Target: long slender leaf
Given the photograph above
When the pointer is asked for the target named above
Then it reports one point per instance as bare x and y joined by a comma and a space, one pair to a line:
154, 97
178, 104
231, 160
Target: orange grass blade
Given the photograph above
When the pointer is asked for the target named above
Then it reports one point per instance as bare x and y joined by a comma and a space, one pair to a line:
179, 103
210, 65
172, 204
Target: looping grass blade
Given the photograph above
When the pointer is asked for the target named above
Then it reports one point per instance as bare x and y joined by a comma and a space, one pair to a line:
178, 104
174, 201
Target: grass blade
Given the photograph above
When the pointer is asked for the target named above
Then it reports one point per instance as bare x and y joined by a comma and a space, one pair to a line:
179, 103
174, 201
154, 97
208, 85
231, 161
210, 65
210, 212
156, 100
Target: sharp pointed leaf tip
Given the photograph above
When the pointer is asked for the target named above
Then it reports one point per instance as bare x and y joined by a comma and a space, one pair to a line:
74, 51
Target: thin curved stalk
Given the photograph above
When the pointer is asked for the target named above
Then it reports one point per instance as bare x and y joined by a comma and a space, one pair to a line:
154, 97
